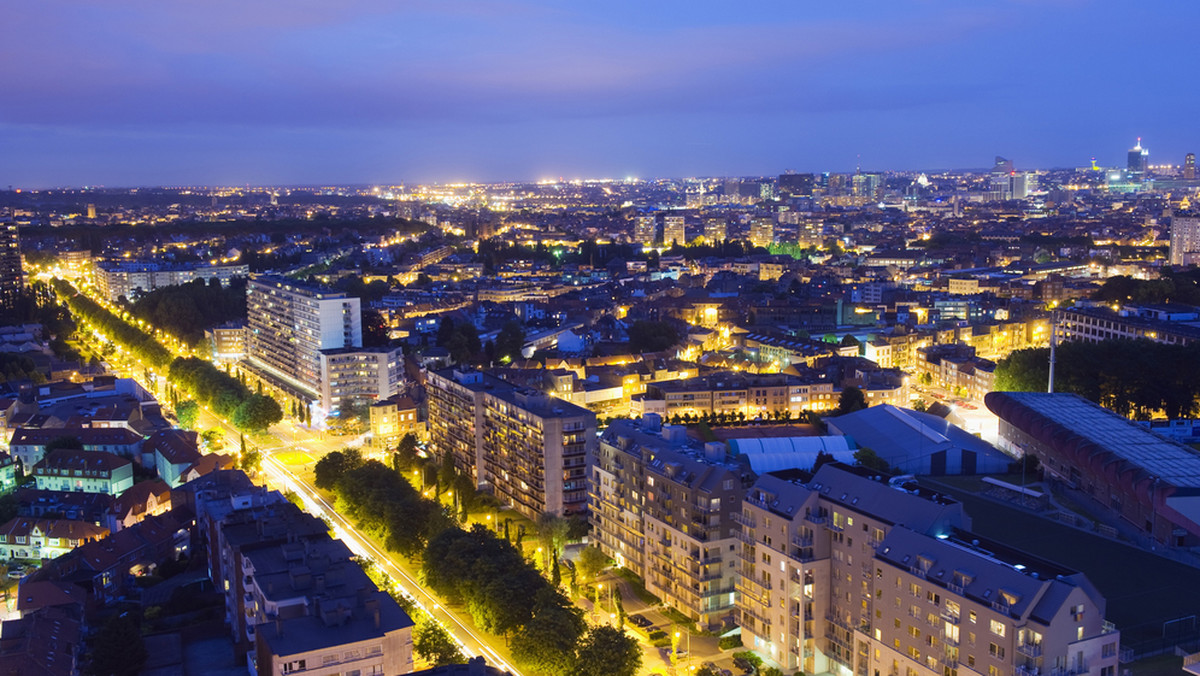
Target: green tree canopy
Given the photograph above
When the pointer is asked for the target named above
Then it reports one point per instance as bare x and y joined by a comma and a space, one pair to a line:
850, 400
607, 651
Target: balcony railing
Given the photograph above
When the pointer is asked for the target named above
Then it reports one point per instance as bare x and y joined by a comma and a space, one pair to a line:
816, 519
748, 521
802, 541
1030, 649
949, 617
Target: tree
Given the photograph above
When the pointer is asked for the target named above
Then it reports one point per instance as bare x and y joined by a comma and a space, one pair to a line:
432, 643
257, 413
406, 452
607, 651
546, 644
374, 329
186, 413
868, 458
118, 648
330, 468
591, 562
447, 472
510, 341
850, 400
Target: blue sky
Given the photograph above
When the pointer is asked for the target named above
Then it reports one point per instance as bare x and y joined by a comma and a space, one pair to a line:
146, 92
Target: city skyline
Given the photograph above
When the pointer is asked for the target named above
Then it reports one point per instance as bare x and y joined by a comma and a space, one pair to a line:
369, 93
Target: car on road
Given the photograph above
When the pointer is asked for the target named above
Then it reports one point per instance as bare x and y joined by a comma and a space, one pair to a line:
640, 621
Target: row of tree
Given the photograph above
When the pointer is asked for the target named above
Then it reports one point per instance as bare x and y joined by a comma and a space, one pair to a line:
187, 310
140, 344
505, 593
1132, 377
224, 394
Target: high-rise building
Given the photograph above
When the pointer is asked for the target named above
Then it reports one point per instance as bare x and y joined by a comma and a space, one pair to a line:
674, 231
12, 276
91, 212
714, 229
796, 185
529, 448
832, 582
1189, 166
1185, 240
645, 230
289, 324
762, 232
1138, 160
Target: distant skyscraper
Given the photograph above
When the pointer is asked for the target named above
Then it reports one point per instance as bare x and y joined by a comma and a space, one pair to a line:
1185, 240
674, 231
796, 185
645, 230
1189, 166
91, 212
1139, 159
12, 277
714, 229
762, 232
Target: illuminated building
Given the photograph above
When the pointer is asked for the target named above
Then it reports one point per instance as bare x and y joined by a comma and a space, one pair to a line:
1189, 167
289, 324
1138, 160
1185, 239
762, 232
645, 230
714, 229
12, 277
673, 230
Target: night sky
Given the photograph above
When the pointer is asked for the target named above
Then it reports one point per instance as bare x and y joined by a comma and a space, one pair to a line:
165, 92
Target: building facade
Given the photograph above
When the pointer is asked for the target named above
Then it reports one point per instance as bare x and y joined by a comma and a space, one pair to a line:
289, 324
130, 279
849, 575
661, 508
359, 376
528, 448
83, 472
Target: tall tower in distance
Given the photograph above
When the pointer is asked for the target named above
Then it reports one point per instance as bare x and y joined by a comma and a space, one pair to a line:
1189, 166
1138, 159
674, 231
12, 277
645, 230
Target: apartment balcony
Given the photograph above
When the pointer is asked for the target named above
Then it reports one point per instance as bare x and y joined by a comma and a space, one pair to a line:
802, 541
815, 519
745, 537
762, 584
949, 617
1191, 664
834, 527
1032, 650
744, 520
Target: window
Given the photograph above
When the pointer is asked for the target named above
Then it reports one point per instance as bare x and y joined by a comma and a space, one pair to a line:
294, 665
971, 616
1109, 649
998, 628
996, 651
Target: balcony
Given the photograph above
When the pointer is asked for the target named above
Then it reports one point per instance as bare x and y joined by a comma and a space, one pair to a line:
745, 537
834, 527
949, 617
1033, 650
802, 541
815, 519
747, 521
955, 588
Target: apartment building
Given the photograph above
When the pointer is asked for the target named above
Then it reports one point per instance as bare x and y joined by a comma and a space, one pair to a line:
847, 574
394, 418
228, 341
753, 396
1093, 325
118, 278
663, 508
289, 324
528, 448
955, 367
313, 609
359, 376
27, 538
83, 471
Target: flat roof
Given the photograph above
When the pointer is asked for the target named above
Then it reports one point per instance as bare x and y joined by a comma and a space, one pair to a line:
1168, 460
